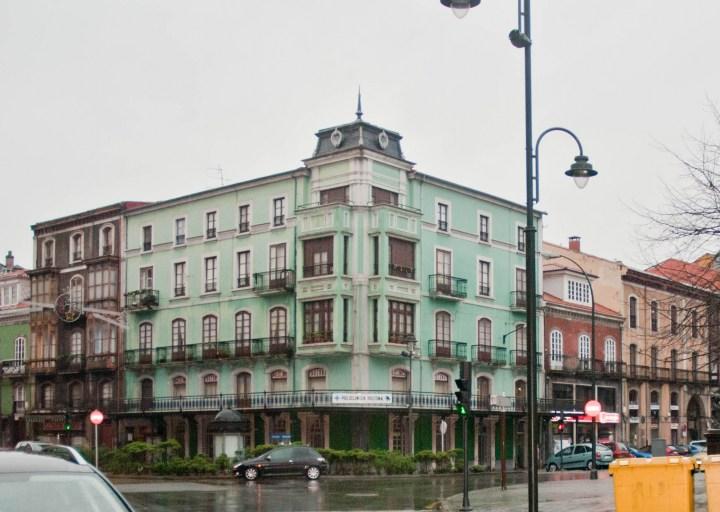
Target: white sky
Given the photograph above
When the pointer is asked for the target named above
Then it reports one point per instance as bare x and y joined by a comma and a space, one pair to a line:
102, 101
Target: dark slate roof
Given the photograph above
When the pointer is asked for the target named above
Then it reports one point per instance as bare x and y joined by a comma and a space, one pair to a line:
359, 134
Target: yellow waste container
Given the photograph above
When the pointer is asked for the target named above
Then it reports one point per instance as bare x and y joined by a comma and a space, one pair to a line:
660, 484
711, 465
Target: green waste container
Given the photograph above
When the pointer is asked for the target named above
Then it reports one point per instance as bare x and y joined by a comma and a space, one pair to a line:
711, 466
659, 484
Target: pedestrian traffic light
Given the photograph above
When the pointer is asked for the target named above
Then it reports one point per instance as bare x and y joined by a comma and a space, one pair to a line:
462, 395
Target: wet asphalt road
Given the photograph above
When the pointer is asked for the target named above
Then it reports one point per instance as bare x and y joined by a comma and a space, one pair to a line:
298, 494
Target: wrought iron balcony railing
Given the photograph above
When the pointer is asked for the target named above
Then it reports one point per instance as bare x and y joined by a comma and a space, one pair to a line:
447, 348
487, 354
322, 269
448, 286
12, 368
401, 338
519, 299
70, 363
47, 365
520, 358
317, 337
274, 281
142, 299
99, 362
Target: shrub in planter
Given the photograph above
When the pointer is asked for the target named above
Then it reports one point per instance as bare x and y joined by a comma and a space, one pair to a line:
223, 463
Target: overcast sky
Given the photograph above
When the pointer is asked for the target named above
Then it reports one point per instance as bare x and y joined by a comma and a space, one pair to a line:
103, 101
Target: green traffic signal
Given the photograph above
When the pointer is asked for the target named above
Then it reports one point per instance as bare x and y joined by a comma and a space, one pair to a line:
67, 426
461, 409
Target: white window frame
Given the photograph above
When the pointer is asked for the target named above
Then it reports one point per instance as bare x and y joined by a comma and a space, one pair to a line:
436, 215
556, 349
237, 213
578, 292
142, 237
183, 218
518, 227
173, 283
584, 348
236, 269
286, 210
140, 277
112, 239
610, 342
71, 259
20, 349
491, 291
489, 228
217, 274
205, 224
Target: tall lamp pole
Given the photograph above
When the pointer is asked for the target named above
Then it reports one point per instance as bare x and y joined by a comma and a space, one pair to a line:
580, 170
593, 470
410, 354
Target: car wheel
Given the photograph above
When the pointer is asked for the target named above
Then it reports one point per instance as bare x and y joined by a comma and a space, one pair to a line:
552, 467
250, 474
312, 473
588, 466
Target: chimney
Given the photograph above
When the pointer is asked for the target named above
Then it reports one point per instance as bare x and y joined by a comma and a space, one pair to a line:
10, 261
574, 243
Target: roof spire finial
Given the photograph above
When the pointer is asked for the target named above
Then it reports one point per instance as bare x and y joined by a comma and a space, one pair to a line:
359, 112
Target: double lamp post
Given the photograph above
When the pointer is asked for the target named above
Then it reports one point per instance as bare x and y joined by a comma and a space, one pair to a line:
580, 171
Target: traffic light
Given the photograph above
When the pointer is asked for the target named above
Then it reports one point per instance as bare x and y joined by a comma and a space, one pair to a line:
67, 426
561, 424
462, 395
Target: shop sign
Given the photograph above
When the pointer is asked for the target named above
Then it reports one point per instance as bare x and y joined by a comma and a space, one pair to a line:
362, 398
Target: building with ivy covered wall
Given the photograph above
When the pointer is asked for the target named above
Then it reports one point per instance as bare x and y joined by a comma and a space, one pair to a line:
332, 304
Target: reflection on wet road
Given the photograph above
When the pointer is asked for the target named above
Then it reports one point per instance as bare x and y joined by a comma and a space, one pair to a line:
341, 493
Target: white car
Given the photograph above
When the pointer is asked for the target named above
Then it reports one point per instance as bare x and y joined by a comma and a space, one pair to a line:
698, 446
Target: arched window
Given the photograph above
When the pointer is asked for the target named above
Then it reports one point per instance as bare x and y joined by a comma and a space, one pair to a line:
654, 316
484, 333
106, 241
654, 398
75, 395
243, 384
76, 247
633, 312
278, 330
442, 334
243, 333
105, 393
104, 339
76, 291
609, 350
210, 325
317, 379
146, 338
19, 350
483, 387
556, 349
210, 384
633, 397
178, 333
49, 253
442, 382
278, 380
584, 347
47, 396
179, 385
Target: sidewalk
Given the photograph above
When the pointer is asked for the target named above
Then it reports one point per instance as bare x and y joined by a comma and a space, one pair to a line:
586, 495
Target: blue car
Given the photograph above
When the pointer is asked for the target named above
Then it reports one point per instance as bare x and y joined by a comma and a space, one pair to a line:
637, 453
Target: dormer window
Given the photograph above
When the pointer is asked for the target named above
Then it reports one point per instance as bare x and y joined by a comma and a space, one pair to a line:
578, 291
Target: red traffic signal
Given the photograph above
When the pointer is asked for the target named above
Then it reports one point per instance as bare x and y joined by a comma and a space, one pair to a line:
561, 427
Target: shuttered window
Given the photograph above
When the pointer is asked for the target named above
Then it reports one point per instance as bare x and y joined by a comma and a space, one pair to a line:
318, 255
402, 258
334, 195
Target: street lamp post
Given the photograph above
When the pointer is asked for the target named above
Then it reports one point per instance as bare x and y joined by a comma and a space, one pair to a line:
410, 354
593, 470
580, 170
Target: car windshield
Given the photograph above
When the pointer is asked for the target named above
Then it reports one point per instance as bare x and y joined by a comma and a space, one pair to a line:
79, 492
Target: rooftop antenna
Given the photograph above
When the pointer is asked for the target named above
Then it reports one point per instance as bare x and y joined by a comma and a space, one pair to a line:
219, 171
359, 112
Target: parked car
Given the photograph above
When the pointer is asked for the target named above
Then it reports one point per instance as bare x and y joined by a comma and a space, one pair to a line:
283, 461
635, 452
697, 446
579, 456
619, 450
683, 450
669, 450
33, 481
54, 450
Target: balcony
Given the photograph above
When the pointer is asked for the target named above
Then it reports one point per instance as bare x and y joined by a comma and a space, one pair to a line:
70, 363
318, 337
401, 271
518, 300
660, 374
323, 269
100, 362
274, 281
107, 250
447, 349
487, 354
142, 299
556, 363
520, 358
448, 287
640, 372
12, 368
211, 351
42, 366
